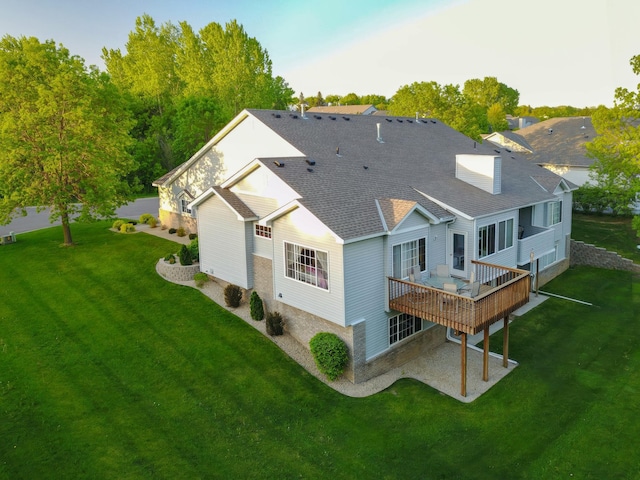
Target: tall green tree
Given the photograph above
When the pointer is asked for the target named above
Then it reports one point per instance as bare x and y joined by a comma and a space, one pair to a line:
489, 91
444, 102
497, 118
616, 147
64, 134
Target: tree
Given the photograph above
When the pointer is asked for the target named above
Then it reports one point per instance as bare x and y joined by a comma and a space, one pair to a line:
350, 99
63, 135
616, 147
489, 91
446, 103
497, 118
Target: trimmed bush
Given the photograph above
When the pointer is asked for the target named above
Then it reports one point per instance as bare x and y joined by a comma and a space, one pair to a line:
232, 295
275, 324
146, 218
181, 232
117, 224
200, 278
170, 258
172, 231
185, 256
195, 251
127, 228
256, 307
193, 236
152, 222
330, 354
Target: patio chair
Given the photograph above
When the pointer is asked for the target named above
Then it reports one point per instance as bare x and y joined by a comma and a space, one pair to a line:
415, 275
442, 271
448, 301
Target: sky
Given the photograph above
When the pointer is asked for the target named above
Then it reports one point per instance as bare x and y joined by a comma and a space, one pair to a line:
554, 52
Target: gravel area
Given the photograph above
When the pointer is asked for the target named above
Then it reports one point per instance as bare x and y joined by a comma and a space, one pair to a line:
439, 369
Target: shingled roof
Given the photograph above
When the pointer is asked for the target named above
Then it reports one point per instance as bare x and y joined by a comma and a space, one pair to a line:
560, 141
347, 170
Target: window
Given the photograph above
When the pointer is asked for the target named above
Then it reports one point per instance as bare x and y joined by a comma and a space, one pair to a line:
487, 240
402, 326
553, 213
184, 204
306, 265
406, 255
262, 231
505, 234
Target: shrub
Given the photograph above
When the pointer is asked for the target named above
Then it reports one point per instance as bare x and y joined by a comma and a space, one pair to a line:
152, 222
256, 307
200, 278
168, 257
172, 231
127, 228
232, 296
330, 354
146, 218
185, 256
181, 232
193, 236
195, 251
117, 224
275, 324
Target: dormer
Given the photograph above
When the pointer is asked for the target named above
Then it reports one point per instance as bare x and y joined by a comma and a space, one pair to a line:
482, 171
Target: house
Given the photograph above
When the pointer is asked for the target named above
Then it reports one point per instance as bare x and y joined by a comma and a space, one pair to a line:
516, 123
337, 220
345, 109
557, 144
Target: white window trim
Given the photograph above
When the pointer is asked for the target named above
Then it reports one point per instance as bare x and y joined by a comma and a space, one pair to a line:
303, 276
412, 263
258, 229
496, 236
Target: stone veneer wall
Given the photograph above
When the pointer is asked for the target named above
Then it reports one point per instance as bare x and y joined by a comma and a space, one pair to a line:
587, 254
176, 272
303, 326
175, 220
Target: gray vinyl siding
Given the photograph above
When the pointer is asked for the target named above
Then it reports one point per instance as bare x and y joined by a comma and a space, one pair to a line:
365, 289
437, 246
261, 206
224, 243
403, 237
415, 220
328, 304
262, 246
507, 257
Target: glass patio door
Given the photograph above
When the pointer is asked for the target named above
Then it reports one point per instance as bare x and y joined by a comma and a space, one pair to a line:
457, 256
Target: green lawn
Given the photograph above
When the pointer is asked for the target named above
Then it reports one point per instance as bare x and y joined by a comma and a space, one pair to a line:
612, 233
108, 371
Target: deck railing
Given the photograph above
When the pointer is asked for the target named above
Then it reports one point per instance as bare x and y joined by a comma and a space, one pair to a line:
503, 290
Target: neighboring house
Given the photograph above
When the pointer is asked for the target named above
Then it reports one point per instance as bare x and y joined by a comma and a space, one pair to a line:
336, 220
509, 140
345, 109
557, 144
516, 123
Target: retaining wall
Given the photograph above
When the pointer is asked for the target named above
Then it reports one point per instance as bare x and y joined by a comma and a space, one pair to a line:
590, 255
176, 272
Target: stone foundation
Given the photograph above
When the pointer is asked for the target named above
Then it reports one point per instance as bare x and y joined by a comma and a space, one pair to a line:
176, 272
175, 220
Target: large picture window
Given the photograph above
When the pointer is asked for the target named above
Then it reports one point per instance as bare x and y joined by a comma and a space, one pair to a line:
406, 255
402, 326
306, 265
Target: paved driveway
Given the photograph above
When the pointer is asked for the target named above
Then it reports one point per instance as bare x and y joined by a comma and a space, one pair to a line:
37, 221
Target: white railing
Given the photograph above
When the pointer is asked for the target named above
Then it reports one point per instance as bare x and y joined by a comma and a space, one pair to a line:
540, 243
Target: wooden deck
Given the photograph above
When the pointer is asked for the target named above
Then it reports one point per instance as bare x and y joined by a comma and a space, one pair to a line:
502, 291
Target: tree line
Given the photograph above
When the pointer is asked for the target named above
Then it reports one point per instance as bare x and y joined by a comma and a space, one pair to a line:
82, 141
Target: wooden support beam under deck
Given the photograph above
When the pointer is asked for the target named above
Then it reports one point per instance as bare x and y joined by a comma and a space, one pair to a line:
485, 355
505, 343
463, 365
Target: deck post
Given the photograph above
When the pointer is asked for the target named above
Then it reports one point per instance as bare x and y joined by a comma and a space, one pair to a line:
505, 343
485, 355
463, 365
